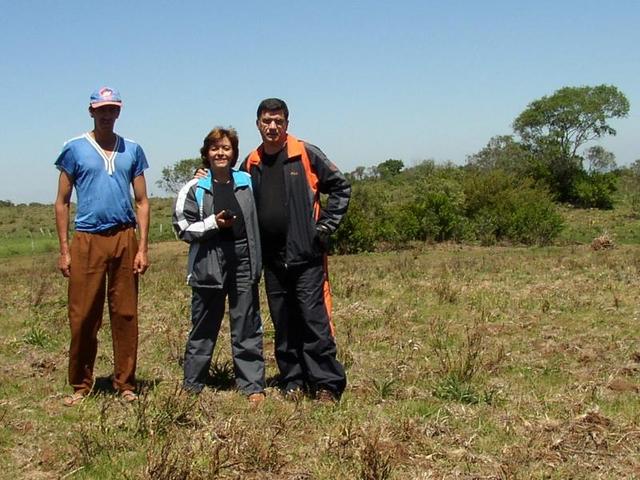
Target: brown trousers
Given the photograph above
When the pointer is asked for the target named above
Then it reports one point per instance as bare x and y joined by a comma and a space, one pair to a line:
102, 261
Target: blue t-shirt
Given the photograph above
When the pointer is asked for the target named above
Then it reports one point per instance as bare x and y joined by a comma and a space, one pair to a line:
102, 183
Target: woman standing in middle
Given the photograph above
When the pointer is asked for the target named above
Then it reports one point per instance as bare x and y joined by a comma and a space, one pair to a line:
217, 217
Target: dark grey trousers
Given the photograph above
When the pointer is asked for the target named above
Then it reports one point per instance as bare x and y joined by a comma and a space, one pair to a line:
207, 311
305, 349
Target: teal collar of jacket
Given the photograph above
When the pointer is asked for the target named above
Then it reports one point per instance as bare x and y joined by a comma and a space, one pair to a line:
240, 180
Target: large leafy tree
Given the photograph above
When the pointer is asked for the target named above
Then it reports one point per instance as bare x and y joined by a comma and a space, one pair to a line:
554, 128
175, 176
571, 117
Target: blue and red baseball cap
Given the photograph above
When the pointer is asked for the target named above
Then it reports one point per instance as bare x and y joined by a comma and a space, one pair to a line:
105, 96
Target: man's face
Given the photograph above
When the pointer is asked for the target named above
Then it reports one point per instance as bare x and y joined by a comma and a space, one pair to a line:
105, 117
273, 127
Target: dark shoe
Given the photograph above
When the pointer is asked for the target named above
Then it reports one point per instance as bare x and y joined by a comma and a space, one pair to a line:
191, 389
326, 396
256, 399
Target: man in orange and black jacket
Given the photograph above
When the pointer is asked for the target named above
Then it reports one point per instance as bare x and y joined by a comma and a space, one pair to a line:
288, 176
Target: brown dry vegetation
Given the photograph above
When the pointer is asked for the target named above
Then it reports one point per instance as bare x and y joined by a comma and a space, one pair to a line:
463, 363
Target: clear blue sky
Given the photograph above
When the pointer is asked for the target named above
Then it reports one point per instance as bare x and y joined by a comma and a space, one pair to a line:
365, 81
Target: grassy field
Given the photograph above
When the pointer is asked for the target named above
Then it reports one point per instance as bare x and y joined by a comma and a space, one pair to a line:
463, 362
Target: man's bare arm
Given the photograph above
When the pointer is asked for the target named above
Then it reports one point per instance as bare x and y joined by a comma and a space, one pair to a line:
62, 206
143, 215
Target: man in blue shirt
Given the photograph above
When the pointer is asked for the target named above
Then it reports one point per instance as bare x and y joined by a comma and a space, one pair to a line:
105, 254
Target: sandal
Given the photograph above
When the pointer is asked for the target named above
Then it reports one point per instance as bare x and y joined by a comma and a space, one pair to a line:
74, 399
128, 396
256, 399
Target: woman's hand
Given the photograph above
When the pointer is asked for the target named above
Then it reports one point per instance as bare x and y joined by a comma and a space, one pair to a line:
200, 173
225, 219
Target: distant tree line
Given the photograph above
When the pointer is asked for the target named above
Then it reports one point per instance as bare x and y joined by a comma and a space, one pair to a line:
9, 203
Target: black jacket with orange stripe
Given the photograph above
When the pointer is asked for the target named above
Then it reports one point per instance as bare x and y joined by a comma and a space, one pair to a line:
307, 174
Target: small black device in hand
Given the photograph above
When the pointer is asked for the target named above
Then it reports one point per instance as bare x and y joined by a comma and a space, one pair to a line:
228, 214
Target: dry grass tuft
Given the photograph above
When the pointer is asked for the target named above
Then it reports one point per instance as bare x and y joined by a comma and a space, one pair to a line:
376, 457
603, 242
623, 385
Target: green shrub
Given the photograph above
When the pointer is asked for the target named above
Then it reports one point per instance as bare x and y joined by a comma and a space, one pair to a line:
594, 190
356, 233
438, 207
532, 218
502, 207
447, 203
